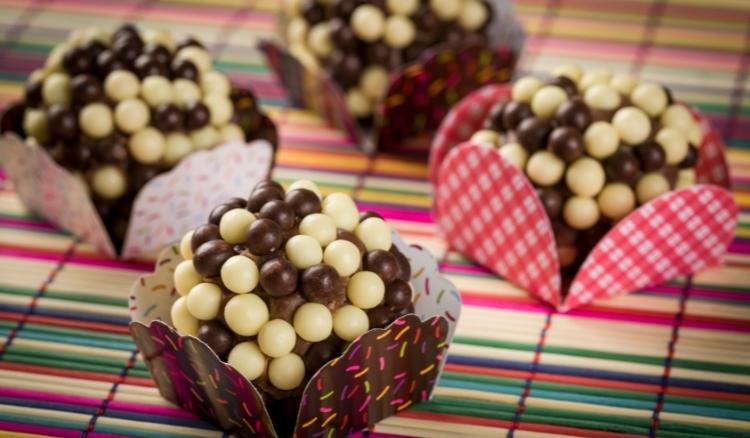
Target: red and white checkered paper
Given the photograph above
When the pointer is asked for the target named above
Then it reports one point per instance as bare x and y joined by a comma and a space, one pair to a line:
487, 209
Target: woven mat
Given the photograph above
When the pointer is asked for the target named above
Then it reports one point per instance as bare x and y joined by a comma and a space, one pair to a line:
672, 360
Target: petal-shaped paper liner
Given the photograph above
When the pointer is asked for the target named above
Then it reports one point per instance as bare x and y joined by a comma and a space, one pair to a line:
166, 208
397, 366
419, 93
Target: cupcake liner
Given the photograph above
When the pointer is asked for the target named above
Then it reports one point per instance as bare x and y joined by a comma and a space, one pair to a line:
487, 209
419, 94
383, 372
166, 207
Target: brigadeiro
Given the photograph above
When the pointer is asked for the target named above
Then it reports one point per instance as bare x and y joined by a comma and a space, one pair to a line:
359, 43
119, 107
595, 145
278, 284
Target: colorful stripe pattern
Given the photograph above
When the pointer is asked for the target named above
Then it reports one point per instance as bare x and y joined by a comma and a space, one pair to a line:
672, 360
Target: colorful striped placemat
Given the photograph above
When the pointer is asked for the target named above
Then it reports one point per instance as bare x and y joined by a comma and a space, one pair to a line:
672, 360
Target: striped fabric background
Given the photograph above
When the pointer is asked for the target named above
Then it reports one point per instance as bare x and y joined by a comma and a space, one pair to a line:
672, 360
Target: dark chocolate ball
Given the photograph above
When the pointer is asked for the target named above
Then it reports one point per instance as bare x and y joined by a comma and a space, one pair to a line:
552, 200
33, 94
313, 12
184, 69
126, 30
383, 263
107, 62
145, 65
167, 117
691, 159
342, 35
303, 202
262, 196
159, 54
86, 88
204, 233
112, 149
127, 49
278, 277
398, 295
218, 337
320, 283
344, 8
670, 172
79, 157
406, 310
495, 118
196, 115
320, 353
532, 133
404, 272
345, 67
189, 42
215, 216
514, 113
381, 54
570, 87
380, 316
140, 175
62, 123
280, 212
364, 215
564, 234
651, 156
77, 61
264, 237
269, 183
351, 237
284, 307
210, 256
622, 166
574, 113
566, 143
93, 48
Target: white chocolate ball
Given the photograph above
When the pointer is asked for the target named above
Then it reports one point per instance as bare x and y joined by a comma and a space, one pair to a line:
349, 322
616, 200
320, 227
186, 277
185, 323
313, 322
303, 251
186, 250
342, 210
685, 178
177, 147
446, 10
585, 177
214, 82
185, 91
239, 274
231, 132
374, 82
131, 115
245, 314
234, 224
121, 84
156, 90
205, 137
159, 36
56, 89
375, 233
695, 135
580, 213
545, 168
358, 103
399, 31
197, 55
649, 97
650, 186
204, 301
674, 143
35, 125
365, 290
95, 120
525, 88
624, 83
473, 15
486, 137
305, 184
678, 117
147, 145
591, 77
343, 256
546, 101
632, 124
53, 63
402, 7
602, 97
296, 31
515, 154
220, 108
368, 23
276, 338
247, 358
319, 40
570, 71
601, 140
286, 372
109, 182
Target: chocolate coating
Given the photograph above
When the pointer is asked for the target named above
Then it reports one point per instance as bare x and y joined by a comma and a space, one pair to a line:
532, 133
261, 196
514, 112
209, 257
215, 216
167, 117
77, 61
495, 118
184, 69
284, 307
564, 82
691, 159
62, 123
126, 30
403, 264
345, 67
33, 94
86, 89
196, 115
398, 295
364, 215
566, 143
107, 62
622, 166
574, 113
380, 316
351, 237
264, 237
320, 284
552, 200
218, 337
93, 48
112, 149
381, 54
127, 48
342, 35
159, 53
651, 155
278, 277
313, 12
269, 183
303, 202
204, 233
280, 212
146, 65
382, 263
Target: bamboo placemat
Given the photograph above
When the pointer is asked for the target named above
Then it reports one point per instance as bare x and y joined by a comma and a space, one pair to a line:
672, 360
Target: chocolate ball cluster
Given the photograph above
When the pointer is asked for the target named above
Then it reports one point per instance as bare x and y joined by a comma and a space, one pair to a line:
359, 43
595, 146
118, 108
277, 284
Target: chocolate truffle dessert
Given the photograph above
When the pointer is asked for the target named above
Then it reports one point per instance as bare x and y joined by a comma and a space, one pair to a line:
360, 42
277, 284
117, 108
595, 146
